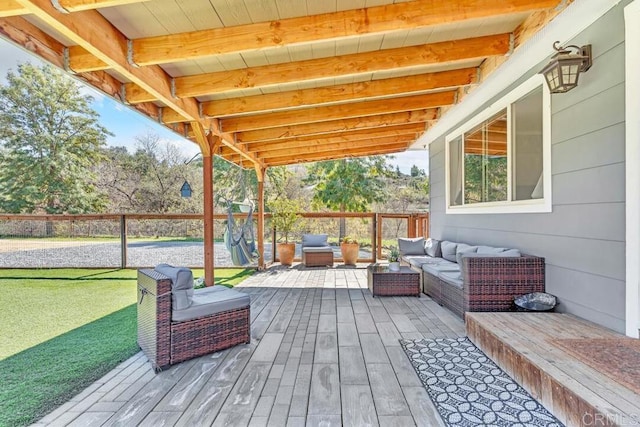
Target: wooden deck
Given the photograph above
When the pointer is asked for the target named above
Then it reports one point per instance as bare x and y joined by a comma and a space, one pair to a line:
523, 344
323, 352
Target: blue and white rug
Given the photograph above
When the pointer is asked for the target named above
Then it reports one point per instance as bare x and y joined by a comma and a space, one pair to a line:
469, 389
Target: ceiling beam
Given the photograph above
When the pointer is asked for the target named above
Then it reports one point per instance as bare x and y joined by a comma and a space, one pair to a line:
344, 65
330, 26
79, 5
98, 36
321, 128
80, 60
340, 154
339, 147
346, 92
11, 8
308, 142
342, 111
134, 94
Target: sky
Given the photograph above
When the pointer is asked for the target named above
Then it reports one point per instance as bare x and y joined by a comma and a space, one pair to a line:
126, 123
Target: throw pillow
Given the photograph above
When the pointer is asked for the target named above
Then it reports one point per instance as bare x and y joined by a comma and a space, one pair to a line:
413, 246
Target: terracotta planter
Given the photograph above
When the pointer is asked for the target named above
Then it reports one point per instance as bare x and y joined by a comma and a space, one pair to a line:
350, 252
286, 253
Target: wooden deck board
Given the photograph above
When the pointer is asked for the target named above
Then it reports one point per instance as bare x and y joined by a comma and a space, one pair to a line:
323, 352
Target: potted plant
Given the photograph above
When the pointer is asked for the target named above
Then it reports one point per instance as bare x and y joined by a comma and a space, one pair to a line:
394, 259
350, 249
284, 219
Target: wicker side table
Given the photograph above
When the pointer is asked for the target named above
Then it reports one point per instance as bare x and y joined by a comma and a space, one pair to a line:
382, 281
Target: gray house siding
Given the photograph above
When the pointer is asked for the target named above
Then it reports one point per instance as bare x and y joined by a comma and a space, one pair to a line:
583, 238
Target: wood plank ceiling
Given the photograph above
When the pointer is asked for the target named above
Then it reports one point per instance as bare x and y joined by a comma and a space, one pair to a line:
276, 82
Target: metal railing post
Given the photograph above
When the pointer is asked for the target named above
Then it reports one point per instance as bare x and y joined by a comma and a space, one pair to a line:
123, 241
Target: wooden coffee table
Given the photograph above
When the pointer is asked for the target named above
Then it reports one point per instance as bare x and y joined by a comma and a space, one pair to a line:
383, 281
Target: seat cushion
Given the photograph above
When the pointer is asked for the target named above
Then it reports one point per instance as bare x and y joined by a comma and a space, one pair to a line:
181, 284
448, 250
415, 260
211, 300
411, 246
436, 269
314, 240
452, 278
317, 249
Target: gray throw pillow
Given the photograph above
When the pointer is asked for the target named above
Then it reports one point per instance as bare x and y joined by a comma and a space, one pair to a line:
315, 240
448, 250
432, 248
463, 249
411, 246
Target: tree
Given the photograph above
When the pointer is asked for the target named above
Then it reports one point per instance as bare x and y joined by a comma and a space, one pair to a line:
349, 185
50, 140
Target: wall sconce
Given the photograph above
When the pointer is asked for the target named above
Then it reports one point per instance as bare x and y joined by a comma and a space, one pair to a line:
185, 190
562, 72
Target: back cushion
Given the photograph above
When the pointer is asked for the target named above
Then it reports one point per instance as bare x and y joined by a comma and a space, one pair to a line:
448, 250
490, 250
315, 240
432, 248
408, 246
463, 249
181, 285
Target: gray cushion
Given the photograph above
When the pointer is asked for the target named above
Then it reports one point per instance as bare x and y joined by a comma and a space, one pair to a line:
181, 284
449, 250
436, 269
452, 278
411, 246
490, 250
464, 249
211, 300
432, 247
314, 240
416, 260
317, 249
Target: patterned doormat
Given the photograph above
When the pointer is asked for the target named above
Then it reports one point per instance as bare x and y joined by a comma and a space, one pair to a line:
617, 358
468, 389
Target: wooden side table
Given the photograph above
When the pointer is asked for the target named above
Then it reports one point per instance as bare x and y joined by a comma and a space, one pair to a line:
382, 281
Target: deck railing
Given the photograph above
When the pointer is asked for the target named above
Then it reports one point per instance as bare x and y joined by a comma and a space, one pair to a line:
144, 240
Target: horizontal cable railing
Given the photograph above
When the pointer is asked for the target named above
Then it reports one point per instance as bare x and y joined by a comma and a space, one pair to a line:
145, 240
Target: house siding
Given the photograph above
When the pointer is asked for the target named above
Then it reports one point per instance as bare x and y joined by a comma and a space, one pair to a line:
583, 238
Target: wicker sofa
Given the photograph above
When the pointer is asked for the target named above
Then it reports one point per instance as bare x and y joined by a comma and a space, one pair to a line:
176, 322
465, 278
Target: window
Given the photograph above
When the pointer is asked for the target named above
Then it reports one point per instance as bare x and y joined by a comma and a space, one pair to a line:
499, 162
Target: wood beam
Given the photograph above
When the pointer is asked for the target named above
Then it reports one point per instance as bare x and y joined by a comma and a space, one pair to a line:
229, 141
359, 63
335, 112
347, 92
336, 147
79, 5
367, 151
11, 8
343, 125
336, 138
98, 36
80, 60
134, 94
330, 26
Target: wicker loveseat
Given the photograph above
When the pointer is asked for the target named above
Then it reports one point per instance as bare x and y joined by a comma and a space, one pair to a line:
176, 322
465, 278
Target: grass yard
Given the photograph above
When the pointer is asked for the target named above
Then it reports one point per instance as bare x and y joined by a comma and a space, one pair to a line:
61, 330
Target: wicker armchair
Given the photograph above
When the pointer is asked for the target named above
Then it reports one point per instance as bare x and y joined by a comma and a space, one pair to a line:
316, 251
166, 342
489, 283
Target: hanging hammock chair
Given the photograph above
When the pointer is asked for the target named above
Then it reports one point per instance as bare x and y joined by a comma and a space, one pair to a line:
239, 239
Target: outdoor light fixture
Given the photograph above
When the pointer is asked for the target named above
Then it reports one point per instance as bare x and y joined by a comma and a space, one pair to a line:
562, 72
185, 191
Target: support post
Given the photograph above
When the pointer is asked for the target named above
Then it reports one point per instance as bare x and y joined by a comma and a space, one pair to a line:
260, 173
374, 239
207, 180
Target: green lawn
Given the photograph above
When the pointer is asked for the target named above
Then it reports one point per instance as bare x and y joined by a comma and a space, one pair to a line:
61, 330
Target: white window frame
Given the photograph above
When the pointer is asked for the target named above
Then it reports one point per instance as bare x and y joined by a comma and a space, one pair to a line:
515, 206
